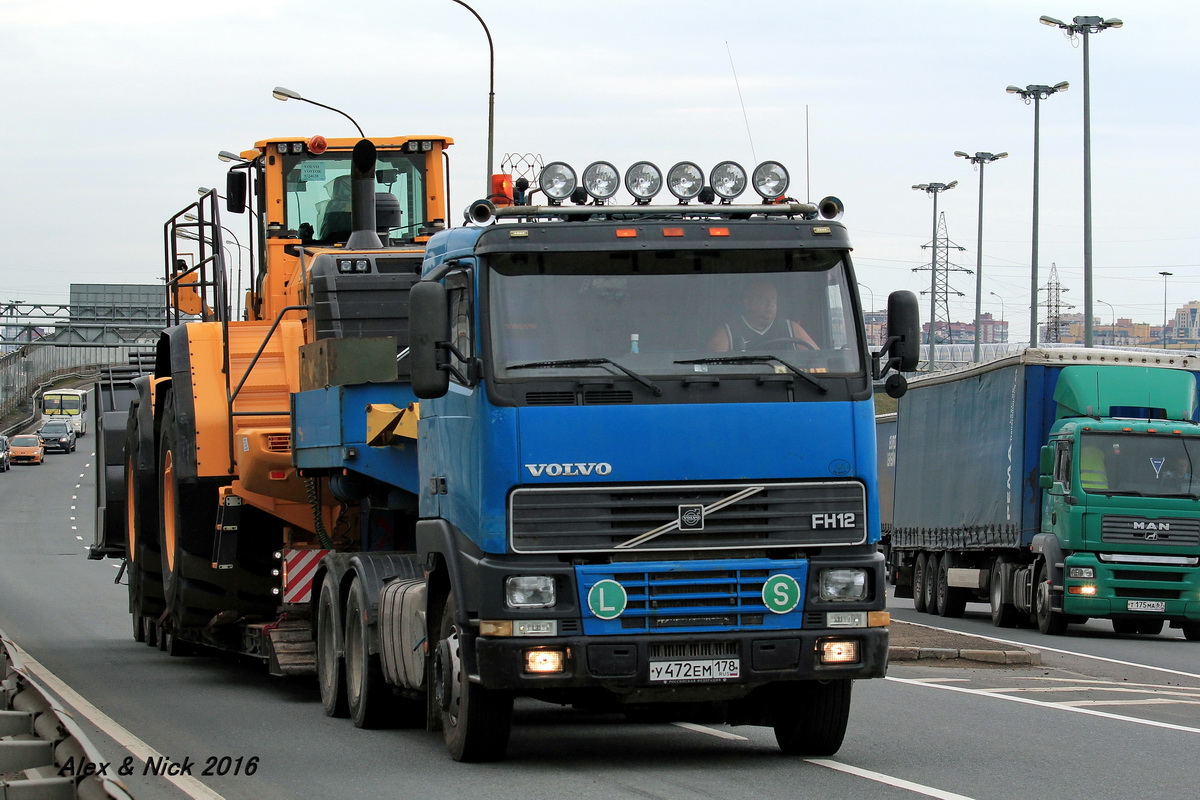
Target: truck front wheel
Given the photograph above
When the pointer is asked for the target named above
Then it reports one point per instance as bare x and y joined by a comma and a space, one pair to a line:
1049, 621
811, 717
476, 721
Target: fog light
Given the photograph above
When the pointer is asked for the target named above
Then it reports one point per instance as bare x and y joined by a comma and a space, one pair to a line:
839, 651
544, 661
529, 591
1086, 589
1081, 572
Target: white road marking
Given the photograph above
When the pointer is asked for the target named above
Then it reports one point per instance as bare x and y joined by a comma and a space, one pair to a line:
1064, 652
187, 784
80, 538
879, 777
1147, 701
691, 726
1059, 706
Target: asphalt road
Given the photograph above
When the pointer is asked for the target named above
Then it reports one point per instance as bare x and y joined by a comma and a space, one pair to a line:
1073, 728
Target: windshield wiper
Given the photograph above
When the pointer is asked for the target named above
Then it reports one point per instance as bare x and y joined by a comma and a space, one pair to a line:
1114, 493
757, 359
590, 362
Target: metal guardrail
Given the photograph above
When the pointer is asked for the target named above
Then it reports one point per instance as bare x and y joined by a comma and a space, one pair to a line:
44, 754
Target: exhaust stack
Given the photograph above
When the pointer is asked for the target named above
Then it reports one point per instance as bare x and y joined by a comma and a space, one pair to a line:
362, 198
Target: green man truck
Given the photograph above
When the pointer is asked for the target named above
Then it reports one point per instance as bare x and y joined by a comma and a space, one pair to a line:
1057, 485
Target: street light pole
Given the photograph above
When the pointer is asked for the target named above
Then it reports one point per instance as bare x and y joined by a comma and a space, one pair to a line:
491, 92
1085, 26
980, 160
1001, 299
1036, 93
1114, 318
1165, 276
282, 94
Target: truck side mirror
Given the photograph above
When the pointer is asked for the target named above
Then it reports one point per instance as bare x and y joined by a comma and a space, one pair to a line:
235, 191
1046, 460
428, 327
1045, 481
905, 322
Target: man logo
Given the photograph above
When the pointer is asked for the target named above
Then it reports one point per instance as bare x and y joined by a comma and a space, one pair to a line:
691, 518
1151, 537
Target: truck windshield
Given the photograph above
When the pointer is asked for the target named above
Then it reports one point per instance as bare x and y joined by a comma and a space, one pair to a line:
675, 313
317, 193
1139, 464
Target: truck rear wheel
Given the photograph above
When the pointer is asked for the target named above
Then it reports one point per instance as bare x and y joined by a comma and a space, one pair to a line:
952, 600
812, 716
920, 575
1049, 621
932, 567
1004, 615
476, 722
368, 696
331, 669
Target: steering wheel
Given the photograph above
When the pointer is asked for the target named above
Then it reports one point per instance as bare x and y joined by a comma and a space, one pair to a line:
789, 340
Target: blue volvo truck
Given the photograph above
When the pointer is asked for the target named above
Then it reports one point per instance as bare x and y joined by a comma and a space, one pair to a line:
620, 488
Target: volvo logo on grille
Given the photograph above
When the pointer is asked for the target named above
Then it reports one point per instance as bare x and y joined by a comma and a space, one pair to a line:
568, 470
691, 517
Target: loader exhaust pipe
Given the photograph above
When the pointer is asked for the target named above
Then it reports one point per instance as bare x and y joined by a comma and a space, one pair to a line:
362, 198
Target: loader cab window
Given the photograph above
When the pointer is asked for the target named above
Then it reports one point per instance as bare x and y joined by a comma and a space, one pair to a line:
317, 194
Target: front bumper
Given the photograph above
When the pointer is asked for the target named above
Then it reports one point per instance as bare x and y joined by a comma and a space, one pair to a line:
622, 664
1117, 586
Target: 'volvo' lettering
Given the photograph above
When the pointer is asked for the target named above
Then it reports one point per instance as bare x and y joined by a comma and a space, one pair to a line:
569, 470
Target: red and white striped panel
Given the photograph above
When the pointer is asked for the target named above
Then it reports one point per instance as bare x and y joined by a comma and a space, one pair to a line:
299, 566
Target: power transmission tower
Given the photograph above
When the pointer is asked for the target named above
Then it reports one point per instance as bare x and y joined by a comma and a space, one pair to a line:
940, 285
1054, 305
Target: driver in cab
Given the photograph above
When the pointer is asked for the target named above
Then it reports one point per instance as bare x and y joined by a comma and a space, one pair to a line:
758, 324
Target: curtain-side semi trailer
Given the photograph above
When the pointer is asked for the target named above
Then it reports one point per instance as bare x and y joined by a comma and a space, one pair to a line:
1055, 485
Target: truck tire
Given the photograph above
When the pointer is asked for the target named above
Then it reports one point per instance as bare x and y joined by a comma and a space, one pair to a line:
331, 668
932, 568
476, 722
811, 717
1049, 621
1004, 615
952, 600
920, 575
368, 696
146, 599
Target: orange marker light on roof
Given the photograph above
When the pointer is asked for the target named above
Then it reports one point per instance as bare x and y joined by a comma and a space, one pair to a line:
718, 231
502, 190
626, 233
317, 145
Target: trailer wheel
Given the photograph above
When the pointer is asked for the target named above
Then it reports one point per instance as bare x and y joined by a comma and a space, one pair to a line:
476, 722
920, 575
1004, 615
932, 567
146, 598
1049, 621
1191, 631
331, 674
811, 717
952, 600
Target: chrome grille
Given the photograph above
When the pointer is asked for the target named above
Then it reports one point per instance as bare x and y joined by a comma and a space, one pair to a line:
641, 518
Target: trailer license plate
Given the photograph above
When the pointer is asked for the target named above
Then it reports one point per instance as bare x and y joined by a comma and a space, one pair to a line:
1145, 605
695, 670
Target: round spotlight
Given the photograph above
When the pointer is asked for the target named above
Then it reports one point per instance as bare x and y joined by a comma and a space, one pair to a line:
557, 180
728, 180
685, 180
601, 180
771, 180
643, 180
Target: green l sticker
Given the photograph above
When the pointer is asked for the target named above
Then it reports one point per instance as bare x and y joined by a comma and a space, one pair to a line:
607, 599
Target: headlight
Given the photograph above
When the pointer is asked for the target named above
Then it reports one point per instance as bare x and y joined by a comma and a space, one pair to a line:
557, 180
685, 180
727, 179
529, 591
601, 180
771, 180
1081, 572
843, 584
643, 180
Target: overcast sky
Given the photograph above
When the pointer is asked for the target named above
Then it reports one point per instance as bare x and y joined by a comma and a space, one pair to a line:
114, 113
